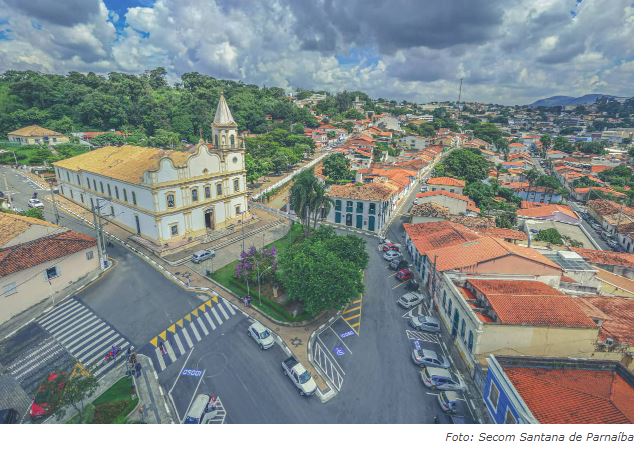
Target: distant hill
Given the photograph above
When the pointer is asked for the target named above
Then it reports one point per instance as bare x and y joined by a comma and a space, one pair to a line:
567, 100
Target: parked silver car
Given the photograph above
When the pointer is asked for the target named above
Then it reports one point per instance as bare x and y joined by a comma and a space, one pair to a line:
426, 357
390, 255
410, 299
440, 379
425, 323
260, 334
35, 203
200, 256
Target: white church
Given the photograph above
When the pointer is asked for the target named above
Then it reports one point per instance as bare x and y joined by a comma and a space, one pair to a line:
161, 195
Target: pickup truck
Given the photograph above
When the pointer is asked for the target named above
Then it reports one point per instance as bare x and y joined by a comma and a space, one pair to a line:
299, 376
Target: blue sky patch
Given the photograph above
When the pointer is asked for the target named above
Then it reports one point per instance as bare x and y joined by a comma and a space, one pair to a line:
359, 55
118, 10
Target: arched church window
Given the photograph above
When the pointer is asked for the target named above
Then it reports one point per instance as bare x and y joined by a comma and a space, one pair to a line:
170, 200
231, 140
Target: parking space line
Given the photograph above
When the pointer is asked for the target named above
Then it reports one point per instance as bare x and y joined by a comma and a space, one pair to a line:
340, 339
359, 307
352, 317
399, 285
331, 356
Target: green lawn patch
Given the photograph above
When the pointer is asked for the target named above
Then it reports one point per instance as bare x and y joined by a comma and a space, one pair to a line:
113, 406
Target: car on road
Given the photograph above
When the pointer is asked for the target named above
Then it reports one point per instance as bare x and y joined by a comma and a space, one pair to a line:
299, 376
440, 379
35, 203
203, 255
410, 299
412, 285
424, 188
426, 357
398, 263
9, 416
596, 226
391, 255
201, 410
391, 247
261, 335
613, 244
453, 405
404, 274
425, 323
534, 231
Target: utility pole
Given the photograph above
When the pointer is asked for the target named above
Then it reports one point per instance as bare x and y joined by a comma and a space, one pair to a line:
6, 187
98, 227
53, 201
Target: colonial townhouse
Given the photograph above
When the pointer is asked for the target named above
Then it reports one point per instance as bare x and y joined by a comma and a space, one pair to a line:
366, 207
164, 195
449, 184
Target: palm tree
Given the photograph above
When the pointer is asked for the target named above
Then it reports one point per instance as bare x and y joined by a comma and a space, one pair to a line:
308, 198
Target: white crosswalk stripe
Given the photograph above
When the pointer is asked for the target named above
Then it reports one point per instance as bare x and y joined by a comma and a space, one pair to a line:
183, 337
83, 334
195, 332
202, 324
223, 312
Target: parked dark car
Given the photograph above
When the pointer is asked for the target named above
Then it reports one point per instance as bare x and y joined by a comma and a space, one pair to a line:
398, 264
412, 285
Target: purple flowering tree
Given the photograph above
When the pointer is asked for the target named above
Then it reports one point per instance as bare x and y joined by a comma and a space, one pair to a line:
255, 265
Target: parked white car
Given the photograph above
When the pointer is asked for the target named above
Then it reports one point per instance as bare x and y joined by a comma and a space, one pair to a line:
426, 357
440, 379
35, 203
390, 255
410, 299
425, 323
261, 335
200, 256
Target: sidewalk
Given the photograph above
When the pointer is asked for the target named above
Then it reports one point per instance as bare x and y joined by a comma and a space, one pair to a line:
153, 406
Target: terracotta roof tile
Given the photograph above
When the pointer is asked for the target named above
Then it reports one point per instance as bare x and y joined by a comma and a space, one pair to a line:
618, 314
449, 181
13, 225
581, 396
27, 255
544, 211
369, 191
514, 287
427, 236
34, 130
598, 257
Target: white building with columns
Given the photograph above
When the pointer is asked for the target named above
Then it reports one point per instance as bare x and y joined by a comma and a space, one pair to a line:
164, 195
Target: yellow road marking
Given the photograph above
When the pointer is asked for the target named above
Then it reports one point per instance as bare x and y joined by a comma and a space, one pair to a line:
202, 307
215, 299
188, 317
209, 303
163, 335
357, 302
352, 309
353, 317
172, 328
195, 312
180, 323
154, 341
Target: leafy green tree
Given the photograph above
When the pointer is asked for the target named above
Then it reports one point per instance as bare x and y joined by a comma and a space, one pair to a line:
165, 138
323, 271
108, 139
546, 142
562, 144
308, 199
467, 164
34, 213
550, 236
337, 169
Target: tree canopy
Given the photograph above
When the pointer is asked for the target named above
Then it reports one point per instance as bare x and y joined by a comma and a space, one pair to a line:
467, 164
337, 169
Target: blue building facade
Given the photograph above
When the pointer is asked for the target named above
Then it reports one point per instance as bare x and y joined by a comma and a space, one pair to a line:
540, 196
499, 395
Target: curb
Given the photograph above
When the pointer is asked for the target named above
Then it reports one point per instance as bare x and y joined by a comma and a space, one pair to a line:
326, 396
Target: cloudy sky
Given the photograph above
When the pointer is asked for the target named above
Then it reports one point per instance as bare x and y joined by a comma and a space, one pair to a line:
507, 51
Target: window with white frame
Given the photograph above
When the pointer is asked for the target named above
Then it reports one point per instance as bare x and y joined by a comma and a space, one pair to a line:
208, 193
235, 185
174, 229
195, 195
510, 418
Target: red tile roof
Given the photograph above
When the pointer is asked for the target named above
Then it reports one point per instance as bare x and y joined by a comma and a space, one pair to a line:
618, 316
472, 253
471, 205
427, 236
32, 253
515, 287
505, 234
544, 211
574, 396
448, 181
605, 257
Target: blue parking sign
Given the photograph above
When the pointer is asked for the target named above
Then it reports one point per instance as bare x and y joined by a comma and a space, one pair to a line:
189, 372
339, 351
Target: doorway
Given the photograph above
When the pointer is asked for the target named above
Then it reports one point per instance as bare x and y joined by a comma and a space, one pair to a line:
209, 219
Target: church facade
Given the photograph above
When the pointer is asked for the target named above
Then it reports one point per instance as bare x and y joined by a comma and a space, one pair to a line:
162, 195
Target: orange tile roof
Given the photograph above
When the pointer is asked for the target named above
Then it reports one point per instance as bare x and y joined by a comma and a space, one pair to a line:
12, 225
579, 396
448, 181
427, 236
599, 168
471, 205
605, 257
499, 232
530, 204
546, 210
370, 191
620, 282
34, 130
618, 322
32, 253
602, 189
513, 287
471, 253
607, 207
